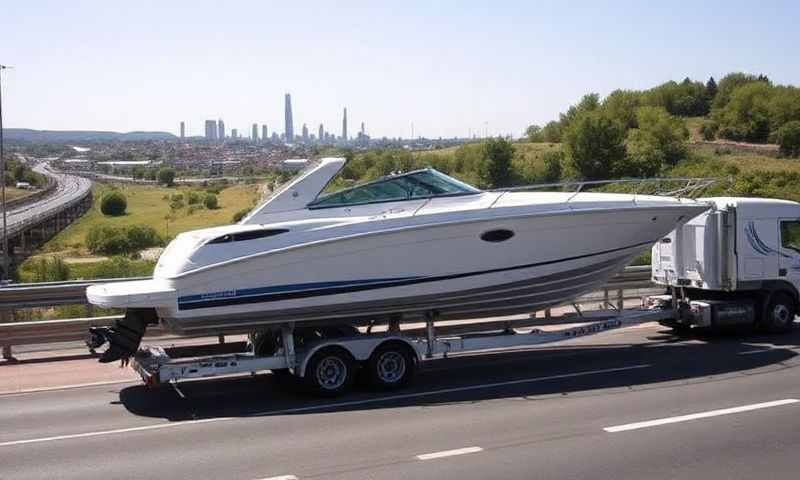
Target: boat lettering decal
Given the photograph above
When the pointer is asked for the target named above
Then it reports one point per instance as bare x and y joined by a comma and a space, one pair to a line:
306, 290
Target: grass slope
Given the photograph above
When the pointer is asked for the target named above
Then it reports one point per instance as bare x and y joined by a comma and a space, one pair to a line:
147, 205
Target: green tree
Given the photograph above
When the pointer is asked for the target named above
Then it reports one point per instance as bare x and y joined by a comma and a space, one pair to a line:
138, 172
238, 216
711, 90
113, 204
552, 166
497, 156
746, 114
659, 141
728, 84
534, 134
621, 105
210, 201
166, 176
589, 103
552, 132
788, 137
594, 145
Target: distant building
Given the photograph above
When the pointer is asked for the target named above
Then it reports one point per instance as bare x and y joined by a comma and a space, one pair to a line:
234, 133
264, 135
321, 134
344, 125
221, 129
362, 129
289, 124
275, 137
305, 133
183, 130
254, 135
211, 130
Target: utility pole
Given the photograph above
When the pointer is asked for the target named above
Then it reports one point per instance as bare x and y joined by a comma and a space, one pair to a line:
3, 181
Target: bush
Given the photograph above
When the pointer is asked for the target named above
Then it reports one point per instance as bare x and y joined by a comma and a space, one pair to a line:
708, 130
166, 176
114, 204
51, 269
108, 240
788, 137
497, 155
210, 201
552, 166
193, 198
238, 216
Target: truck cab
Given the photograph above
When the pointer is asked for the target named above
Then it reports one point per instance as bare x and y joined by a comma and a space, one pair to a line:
738, 263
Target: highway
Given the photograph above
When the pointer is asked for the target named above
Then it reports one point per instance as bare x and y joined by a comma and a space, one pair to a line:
68, 188
635, 403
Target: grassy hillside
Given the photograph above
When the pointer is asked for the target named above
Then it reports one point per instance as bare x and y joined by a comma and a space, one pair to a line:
150, 205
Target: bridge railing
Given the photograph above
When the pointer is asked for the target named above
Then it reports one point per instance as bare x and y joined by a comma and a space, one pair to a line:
627, 285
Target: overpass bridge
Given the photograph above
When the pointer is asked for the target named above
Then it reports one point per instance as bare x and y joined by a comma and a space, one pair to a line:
30, 224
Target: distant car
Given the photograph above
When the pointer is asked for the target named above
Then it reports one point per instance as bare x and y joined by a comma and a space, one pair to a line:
25, 185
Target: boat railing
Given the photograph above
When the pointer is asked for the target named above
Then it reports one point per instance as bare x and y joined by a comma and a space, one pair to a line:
679, 187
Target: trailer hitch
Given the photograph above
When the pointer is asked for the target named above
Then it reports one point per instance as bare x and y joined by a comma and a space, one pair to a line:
124, 336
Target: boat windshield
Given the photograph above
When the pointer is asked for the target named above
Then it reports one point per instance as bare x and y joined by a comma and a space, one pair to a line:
417, 184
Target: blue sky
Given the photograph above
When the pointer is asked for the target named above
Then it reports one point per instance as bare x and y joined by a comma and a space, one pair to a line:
447, 67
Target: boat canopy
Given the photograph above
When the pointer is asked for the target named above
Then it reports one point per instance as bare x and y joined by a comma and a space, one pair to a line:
425, 183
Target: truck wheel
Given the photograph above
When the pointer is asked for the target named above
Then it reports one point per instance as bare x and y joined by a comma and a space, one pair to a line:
391, 366
779, 317
330, 372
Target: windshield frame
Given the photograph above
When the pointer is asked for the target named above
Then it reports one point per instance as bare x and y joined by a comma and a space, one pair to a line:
315, 204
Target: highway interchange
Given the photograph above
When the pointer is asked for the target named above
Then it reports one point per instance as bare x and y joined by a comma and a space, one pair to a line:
634, 403
68, 188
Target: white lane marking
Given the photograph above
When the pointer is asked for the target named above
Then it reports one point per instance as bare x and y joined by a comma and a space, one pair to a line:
760, 350
449, 453
281, 477
326, 406
9, 393
157, 426
696, 416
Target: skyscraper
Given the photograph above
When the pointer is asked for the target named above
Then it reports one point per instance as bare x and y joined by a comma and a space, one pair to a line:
255, 132
305, 133
362, 129
321, 133
221, 129
288, 119
183, 130
264, 136
344, 125
234, 133
211, 130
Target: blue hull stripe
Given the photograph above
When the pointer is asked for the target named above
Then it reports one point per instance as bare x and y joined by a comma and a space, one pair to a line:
305, 290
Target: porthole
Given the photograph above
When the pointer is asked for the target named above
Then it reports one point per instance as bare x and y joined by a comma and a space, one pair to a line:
495, 236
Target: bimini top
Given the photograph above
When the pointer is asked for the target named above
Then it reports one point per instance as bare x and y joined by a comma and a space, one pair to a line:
425, 183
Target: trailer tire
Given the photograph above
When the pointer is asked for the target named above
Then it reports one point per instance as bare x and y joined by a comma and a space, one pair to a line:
330, 372
779, 316
391, 366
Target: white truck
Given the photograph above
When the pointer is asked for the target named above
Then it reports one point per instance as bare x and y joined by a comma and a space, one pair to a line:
737, 264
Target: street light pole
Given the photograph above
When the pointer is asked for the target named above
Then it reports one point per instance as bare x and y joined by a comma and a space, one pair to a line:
3, 181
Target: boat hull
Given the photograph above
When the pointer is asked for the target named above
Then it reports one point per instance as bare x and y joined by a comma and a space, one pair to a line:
443, 268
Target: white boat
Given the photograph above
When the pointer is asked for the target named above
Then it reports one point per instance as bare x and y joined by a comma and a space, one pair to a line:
401, 247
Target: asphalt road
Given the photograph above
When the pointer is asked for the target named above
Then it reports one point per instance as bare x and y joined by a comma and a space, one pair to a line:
717, 408
68, 188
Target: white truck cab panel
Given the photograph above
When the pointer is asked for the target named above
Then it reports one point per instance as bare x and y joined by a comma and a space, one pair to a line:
738, 243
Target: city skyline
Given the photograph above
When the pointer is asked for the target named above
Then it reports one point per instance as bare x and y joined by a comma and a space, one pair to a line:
98, 66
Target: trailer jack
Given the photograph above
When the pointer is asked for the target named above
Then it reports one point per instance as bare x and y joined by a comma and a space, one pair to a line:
124, 336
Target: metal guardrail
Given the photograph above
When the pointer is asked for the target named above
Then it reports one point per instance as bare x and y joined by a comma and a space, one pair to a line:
33, 295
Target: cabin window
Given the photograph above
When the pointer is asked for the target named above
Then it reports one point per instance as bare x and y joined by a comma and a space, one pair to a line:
247, 235
790, 235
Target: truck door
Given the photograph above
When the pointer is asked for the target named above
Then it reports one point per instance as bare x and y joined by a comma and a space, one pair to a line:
789, 263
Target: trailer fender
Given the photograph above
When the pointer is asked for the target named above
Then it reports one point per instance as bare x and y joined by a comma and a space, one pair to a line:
360, 348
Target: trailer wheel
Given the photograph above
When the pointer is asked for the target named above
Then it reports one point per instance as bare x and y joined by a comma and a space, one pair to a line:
779, 317
391, 366
330, 372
